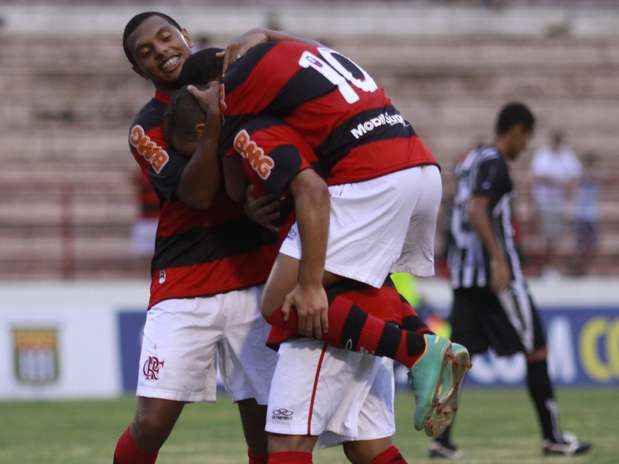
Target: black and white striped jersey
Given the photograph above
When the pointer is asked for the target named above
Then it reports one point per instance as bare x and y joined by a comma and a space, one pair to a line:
483, 172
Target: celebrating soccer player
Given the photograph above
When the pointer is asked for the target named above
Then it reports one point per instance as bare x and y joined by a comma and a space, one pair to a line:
208, 268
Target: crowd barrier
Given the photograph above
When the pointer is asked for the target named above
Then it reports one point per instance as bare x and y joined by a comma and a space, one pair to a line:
82, 340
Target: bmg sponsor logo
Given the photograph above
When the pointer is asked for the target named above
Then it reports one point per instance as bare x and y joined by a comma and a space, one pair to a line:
35, 355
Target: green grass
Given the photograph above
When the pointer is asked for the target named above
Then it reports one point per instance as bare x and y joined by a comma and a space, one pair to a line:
493, 427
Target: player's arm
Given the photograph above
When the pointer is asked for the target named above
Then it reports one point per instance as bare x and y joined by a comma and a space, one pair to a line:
491, 183
480, 221
311, 205
278, 157
239, 46
200, 178
261, 209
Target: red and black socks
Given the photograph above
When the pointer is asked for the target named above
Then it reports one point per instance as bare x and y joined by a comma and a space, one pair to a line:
128, 452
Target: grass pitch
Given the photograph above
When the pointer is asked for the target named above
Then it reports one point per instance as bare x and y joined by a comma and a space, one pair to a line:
494, 426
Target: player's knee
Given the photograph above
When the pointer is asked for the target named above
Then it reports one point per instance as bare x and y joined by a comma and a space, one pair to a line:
538, 355
364, 452
350, 453
253, 417
283, 443
150, 431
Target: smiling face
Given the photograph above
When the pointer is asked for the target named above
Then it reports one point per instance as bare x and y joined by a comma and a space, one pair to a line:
159, 51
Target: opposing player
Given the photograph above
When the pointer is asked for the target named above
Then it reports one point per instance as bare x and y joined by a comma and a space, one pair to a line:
492, 307
208, 268
323, 125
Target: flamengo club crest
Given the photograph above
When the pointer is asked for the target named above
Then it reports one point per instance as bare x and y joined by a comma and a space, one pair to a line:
151, 368
36, 355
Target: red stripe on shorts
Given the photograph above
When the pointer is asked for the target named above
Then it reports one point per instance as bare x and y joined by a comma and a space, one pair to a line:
314, 388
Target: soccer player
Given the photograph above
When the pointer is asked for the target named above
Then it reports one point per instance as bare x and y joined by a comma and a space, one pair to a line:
208, 268
492, 307
385, 185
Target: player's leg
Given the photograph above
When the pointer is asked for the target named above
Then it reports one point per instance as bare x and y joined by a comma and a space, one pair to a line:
541, 391
320, 391
153, 423
298, 401
379, 451
376, 424
467, 311
352, 326
246, 365
524, 327
291, 449
176, 366
253, 419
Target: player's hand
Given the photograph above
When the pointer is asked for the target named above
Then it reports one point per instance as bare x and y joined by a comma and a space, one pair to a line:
263, 210
239, 46
500, 274
210, 100
312, 307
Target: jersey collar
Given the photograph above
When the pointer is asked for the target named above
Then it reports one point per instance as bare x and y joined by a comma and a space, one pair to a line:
162, 97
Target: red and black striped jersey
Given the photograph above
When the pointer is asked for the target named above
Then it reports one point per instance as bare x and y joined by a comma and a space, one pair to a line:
346, 120
197, 252
146, 196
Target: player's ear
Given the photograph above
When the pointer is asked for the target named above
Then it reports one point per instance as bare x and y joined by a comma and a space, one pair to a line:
200, 126
186, 37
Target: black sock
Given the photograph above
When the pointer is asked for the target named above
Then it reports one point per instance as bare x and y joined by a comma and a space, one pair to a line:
445, 437
540, 389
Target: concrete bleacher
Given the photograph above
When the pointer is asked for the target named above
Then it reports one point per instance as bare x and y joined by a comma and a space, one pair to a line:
65, 182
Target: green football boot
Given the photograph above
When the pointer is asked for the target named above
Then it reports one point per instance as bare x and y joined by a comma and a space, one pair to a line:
426, 378
442, 416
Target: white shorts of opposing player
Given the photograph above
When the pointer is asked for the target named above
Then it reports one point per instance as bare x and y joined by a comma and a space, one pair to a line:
377, 226
185, 339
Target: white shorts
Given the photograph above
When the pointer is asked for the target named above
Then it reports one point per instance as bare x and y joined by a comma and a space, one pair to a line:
381, 225
337, 394
183, 339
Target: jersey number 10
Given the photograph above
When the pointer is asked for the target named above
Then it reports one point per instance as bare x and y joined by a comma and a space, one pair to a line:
336, 73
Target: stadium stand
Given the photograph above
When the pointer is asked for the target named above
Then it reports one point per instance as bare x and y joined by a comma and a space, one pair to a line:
67, 203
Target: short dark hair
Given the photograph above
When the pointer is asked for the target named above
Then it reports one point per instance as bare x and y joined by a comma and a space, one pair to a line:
181, 116
183, 111
133, 24
511, 115
202, 67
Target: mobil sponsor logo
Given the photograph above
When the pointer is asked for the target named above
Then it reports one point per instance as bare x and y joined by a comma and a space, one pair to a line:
383, 119
583, 348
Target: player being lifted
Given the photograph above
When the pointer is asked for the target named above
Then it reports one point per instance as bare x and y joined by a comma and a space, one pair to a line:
310, 124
